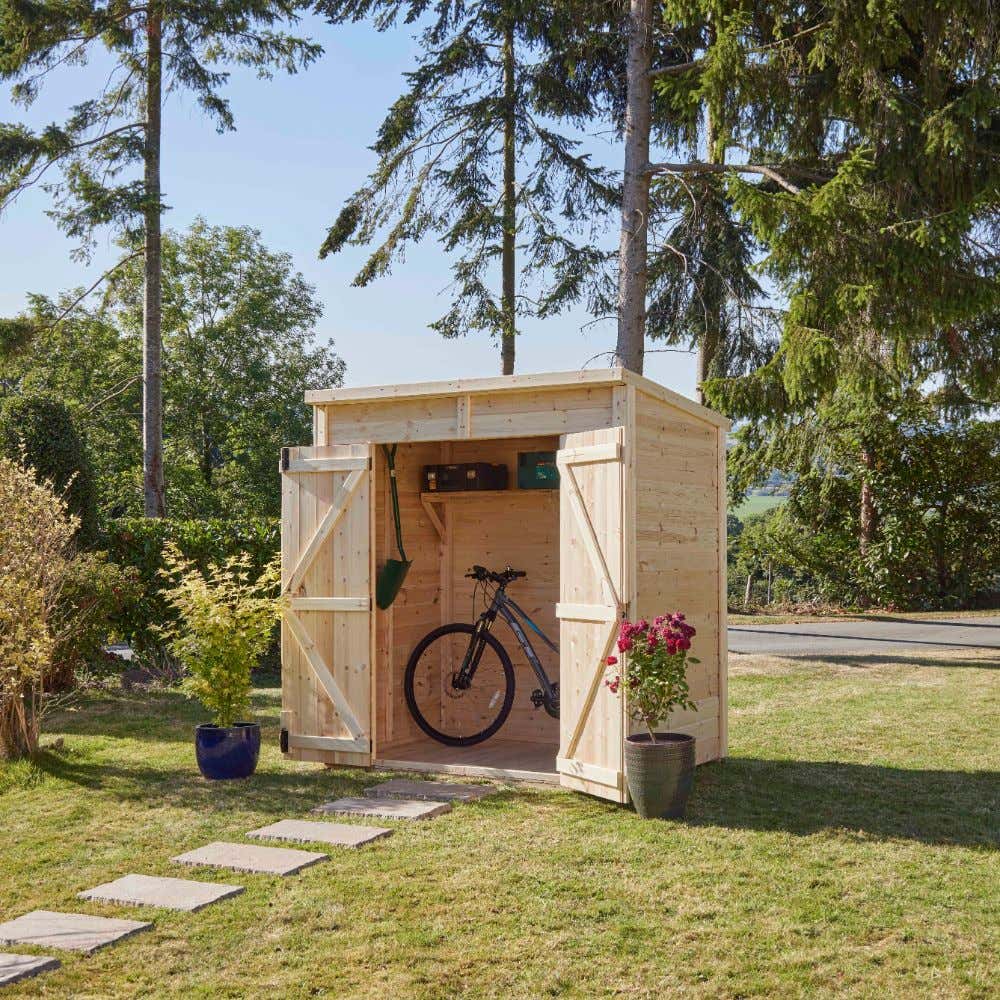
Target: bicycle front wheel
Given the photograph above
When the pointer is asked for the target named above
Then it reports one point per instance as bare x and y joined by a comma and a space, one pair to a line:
444, 711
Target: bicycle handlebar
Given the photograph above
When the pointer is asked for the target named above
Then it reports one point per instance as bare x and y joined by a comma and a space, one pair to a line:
482, 574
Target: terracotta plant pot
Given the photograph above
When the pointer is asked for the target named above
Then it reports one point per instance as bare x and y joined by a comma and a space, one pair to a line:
660, 775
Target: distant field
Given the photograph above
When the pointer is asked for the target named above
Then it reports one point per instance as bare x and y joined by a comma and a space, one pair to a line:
757, 505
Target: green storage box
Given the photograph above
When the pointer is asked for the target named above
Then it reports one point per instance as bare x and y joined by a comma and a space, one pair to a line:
536, 470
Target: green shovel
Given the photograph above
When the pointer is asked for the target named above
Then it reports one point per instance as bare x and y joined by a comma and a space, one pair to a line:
393, 573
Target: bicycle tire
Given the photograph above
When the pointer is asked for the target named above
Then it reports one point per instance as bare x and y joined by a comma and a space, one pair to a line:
411, 701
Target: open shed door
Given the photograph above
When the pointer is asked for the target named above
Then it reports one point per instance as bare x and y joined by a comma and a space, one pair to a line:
326, 579
592, 600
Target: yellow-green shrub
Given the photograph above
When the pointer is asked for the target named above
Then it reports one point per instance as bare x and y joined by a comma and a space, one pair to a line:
36, 536
224, 620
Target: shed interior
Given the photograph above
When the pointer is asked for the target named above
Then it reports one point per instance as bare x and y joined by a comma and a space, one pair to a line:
445, 534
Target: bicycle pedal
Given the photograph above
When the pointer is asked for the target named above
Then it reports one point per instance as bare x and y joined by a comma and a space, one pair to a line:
538, 697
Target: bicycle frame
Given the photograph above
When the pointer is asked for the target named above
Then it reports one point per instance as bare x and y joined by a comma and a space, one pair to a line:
508, 609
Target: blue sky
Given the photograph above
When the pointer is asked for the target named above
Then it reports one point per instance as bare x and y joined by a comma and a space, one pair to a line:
301, 147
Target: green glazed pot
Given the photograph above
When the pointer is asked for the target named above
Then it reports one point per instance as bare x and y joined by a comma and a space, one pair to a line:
660, 775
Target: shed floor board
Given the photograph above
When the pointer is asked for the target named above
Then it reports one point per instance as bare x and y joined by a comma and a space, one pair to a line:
513, 759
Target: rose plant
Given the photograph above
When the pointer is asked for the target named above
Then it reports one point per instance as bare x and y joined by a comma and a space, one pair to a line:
654, 672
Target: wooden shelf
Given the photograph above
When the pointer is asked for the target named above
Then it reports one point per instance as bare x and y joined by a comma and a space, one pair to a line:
432, 497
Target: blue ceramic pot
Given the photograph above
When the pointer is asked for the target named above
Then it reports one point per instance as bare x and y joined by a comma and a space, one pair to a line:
225, 752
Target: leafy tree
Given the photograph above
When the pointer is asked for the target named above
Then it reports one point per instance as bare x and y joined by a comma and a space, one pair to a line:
238, 338
40, 433
466, 152
238, 325
108, 136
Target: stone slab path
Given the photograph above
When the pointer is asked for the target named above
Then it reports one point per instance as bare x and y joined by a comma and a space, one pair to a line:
435, 791
385, 808
311, 832
70, 931
168, 893
14, 968
251, 858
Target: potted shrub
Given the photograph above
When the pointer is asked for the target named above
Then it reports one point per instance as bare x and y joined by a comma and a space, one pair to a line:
224, 625
659, 766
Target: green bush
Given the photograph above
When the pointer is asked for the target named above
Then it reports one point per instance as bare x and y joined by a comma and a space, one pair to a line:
94, 595
39, 432
142, 543
224, 618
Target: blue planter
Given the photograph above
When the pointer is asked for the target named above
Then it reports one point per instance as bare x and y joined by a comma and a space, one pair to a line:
225, 752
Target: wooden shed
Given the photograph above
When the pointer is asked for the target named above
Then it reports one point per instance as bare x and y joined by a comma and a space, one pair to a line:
636, 527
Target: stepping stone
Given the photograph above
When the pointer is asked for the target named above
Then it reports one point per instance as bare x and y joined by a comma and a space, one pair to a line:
14, 968
169, 893
251, 858
435, 791
72, 931
309, 831
385, 808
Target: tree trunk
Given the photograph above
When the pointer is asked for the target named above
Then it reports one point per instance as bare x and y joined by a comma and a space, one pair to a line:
712, 291
509, 303
748, 593
632, 253
152, 395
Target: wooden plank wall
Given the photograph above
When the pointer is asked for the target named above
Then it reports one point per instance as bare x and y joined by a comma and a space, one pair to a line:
465, 416
521, 528
677, 554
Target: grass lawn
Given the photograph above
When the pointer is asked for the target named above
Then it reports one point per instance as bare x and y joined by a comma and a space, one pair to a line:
757, 504
735, 618
847, 848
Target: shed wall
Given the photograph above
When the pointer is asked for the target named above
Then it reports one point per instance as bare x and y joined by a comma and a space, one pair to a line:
677, 548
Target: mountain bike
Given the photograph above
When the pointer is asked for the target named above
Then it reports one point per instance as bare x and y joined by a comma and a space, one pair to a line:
459, 682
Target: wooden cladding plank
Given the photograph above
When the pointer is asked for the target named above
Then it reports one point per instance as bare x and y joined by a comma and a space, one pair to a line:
503, 383
586, 612
334, 743
330, 603
325, 465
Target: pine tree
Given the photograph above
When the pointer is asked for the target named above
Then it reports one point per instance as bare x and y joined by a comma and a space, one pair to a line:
469, 152
155, 46
869, 171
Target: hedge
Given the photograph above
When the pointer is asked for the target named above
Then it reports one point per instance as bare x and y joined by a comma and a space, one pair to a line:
39, 431
139, 542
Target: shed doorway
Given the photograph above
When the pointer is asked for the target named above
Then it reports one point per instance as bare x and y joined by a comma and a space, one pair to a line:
446, 533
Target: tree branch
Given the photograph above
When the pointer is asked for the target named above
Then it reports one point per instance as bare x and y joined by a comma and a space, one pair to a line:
700, 167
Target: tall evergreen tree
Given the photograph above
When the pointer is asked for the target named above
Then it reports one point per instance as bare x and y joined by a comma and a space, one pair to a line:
108, 150
468, 152
873, 136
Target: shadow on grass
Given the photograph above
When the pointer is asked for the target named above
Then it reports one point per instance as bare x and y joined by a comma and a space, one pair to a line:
161, 715
183, 787
903, 657
808, 797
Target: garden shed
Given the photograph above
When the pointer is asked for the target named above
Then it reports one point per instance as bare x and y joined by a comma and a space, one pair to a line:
633, 525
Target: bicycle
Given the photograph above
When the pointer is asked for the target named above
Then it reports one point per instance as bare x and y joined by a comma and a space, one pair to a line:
466, 698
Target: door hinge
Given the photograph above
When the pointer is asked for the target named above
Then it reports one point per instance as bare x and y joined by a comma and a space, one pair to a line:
284, 459
283, 741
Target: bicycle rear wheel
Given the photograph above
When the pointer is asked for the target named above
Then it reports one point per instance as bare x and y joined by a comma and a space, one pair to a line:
450, 715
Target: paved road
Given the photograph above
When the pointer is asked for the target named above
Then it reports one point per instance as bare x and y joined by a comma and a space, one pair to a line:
855, 638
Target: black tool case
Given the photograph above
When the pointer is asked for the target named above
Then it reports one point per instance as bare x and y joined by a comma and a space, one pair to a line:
464, 476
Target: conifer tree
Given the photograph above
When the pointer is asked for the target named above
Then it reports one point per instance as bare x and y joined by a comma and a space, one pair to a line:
469, 152
106, 155
868, 168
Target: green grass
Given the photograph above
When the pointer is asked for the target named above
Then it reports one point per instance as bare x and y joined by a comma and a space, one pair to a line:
847, 848
757, 504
